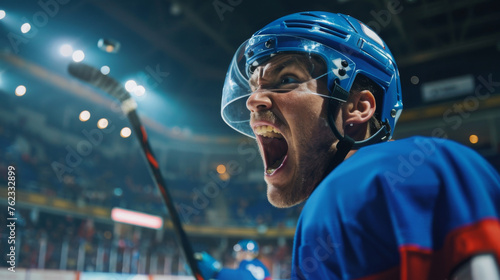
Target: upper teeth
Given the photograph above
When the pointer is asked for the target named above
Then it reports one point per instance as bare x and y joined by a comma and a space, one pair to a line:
268, 131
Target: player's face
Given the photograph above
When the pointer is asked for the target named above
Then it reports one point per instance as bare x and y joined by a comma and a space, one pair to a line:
242, 255
289, 121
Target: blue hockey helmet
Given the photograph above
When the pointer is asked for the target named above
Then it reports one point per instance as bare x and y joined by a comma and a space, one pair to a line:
246, 245
348, 48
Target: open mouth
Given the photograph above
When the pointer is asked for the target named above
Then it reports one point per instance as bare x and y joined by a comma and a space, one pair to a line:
274, 146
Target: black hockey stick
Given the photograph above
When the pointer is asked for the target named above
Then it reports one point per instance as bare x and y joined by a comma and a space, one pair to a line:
94, 77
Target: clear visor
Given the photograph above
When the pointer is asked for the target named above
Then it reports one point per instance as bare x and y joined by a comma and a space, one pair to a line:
295, 70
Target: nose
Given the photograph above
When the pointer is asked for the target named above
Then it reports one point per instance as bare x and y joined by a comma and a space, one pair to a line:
259, 101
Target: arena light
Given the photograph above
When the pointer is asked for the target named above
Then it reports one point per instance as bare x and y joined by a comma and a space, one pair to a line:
224, 176
473, 139
26, 27
66, 50
139, 91
20, 90
125, 132
102, 123
78, 56
108, 45
2, 14
130, 85
221, 168
105, 70
84, 116
136, 218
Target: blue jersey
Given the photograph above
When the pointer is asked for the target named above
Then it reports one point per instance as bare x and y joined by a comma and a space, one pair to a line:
406, 209
256, 268
247, 270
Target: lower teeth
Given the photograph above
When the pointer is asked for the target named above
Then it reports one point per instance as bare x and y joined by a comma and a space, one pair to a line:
270, 171
275, 165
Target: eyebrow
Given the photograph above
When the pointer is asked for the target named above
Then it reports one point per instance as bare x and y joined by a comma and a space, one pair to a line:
293, 60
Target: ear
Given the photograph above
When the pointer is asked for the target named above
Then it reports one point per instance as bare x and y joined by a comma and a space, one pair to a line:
360, 108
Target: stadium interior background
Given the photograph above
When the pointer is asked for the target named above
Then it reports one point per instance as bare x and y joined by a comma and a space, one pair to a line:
70, 173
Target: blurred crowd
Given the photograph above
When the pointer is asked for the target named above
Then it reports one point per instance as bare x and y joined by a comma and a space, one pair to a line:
59, 238
46, 240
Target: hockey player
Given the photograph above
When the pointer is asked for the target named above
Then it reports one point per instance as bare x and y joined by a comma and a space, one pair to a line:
249, 267
246, 252
321, 94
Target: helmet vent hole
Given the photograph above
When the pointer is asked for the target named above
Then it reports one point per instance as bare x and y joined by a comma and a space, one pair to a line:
310, 15
317, 26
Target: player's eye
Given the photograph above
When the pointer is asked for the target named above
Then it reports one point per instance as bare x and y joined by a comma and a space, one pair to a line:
287, 83
288, 80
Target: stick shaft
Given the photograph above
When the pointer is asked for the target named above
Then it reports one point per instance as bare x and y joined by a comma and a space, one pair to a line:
167, 198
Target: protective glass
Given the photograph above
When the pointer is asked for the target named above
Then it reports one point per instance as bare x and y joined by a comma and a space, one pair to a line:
241, 81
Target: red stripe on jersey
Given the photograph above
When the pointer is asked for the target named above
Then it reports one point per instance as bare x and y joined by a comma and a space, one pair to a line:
419, 263
459, 245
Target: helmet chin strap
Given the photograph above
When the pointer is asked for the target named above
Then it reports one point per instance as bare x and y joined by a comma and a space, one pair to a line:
346, 143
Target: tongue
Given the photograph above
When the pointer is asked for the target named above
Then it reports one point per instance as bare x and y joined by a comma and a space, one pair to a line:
276, 150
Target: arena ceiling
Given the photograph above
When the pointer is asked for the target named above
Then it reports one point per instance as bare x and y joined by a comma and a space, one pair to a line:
180, 50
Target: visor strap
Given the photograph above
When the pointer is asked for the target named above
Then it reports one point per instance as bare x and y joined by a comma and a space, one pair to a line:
345, 143
381, 135
339, 92
343, 148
